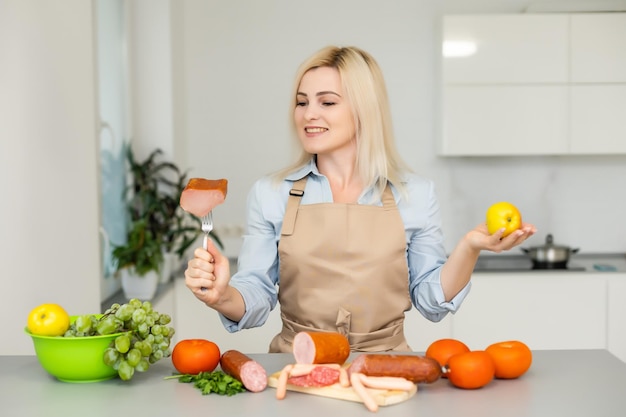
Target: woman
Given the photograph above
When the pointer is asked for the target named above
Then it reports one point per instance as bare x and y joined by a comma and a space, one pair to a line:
347, 239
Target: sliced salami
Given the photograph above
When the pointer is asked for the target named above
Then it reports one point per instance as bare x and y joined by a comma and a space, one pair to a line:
251, 374
320, 376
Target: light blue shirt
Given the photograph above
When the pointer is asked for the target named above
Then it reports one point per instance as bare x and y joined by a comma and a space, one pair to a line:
258, 265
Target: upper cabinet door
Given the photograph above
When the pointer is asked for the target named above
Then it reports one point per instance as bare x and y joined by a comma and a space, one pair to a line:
505, 120
508, 49
597, 119
598, 48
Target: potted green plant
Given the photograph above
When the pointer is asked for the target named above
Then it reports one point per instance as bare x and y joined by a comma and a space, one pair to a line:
157, 226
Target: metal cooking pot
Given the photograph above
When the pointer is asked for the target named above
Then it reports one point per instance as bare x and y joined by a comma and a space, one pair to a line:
549, 255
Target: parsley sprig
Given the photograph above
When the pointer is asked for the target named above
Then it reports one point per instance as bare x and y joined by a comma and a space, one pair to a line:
216, 382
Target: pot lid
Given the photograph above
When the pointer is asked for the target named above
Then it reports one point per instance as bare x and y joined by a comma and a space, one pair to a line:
550, 244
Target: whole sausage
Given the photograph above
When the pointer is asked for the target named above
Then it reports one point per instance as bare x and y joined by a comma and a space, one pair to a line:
320, 347
251, 374
415, 368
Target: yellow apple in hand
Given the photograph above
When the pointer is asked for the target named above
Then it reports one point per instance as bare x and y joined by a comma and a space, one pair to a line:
48, 320
503, 215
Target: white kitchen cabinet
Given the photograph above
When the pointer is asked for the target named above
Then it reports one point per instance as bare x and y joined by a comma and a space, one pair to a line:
552, 310
546, 310
616, 339
421, 332
504, 120
597, 119
552, 84
509, 49
598, 51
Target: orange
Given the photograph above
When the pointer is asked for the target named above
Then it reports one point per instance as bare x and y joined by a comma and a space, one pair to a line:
512, 358
471, 370
192, 356
48, 320
441, 350
503, 215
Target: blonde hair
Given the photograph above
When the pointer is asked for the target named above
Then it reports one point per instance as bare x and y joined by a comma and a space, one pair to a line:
378, 160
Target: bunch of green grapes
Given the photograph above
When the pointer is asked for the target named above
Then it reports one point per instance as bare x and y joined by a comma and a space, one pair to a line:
145, 341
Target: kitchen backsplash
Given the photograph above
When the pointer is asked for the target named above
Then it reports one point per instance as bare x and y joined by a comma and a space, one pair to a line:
580, 200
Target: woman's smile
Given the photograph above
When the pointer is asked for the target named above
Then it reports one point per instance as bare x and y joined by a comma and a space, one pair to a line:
315, 130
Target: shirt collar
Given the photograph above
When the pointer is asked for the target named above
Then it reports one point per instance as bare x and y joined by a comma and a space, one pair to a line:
303, 171
310, 168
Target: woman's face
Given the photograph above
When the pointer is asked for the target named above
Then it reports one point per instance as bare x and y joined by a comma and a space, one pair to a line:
323, 117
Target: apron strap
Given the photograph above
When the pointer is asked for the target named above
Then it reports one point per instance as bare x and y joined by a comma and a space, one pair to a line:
295, 197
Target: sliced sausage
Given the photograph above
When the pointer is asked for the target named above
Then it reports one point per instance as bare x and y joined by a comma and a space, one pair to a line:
300, 369
319, 376
251, 373
200, 196
320, 347
415, 368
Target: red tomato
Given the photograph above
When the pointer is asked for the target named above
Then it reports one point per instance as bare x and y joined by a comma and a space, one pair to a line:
192, 356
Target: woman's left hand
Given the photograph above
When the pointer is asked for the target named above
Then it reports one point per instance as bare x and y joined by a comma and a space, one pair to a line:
457, 270
481, 239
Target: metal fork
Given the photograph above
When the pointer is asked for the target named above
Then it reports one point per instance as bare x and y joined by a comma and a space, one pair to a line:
207, 226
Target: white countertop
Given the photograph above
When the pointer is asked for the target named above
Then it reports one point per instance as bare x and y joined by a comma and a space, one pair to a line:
573, 383
582, 262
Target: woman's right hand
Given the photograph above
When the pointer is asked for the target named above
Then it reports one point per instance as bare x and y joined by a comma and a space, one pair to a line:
208, 275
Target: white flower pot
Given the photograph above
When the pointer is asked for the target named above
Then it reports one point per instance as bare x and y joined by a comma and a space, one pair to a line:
141, 287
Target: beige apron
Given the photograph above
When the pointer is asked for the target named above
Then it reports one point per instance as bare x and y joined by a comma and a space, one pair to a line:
343, 268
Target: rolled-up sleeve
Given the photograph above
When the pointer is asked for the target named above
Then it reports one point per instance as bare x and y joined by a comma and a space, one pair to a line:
425, 251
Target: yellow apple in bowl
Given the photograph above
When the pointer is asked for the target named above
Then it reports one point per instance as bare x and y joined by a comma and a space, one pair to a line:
48, 320
503, 215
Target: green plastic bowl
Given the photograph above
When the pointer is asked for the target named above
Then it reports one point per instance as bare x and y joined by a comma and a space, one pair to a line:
74, 359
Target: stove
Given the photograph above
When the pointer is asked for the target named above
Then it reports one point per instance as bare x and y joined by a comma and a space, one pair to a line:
516, 263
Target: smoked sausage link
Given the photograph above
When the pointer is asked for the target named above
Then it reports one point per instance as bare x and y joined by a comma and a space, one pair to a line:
320, 347
417, 369
251, 373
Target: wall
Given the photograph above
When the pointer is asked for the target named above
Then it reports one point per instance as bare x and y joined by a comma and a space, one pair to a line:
233, 77
233, 64
49, 249
151, 77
